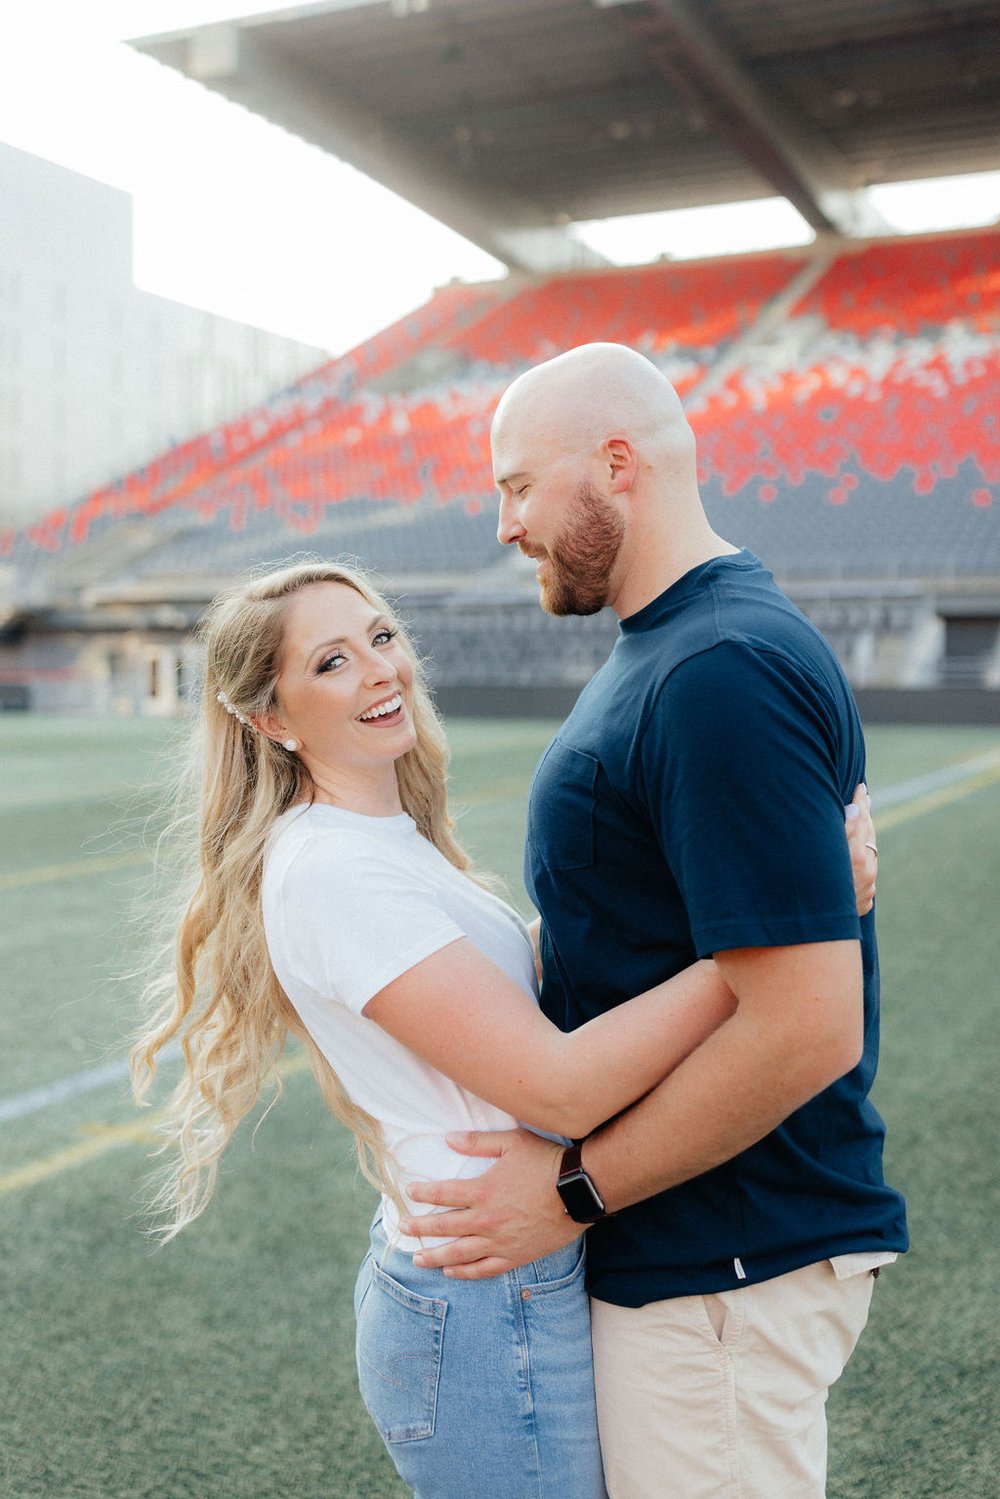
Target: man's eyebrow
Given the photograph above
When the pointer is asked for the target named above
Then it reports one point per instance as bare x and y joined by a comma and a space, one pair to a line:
508, 479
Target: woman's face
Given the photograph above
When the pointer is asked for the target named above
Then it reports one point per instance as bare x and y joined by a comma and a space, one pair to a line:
344, 690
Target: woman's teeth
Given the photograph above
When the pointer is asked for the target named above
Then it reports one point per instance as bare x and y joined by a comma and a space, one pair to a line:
384, 709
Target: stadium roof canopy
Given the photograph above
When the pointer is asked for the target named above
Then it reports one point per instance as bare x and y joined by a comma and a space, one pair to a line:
511, 119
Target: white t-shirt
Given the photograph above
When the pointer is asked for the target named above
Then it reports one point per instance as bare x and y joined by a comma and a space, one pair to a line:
351, 902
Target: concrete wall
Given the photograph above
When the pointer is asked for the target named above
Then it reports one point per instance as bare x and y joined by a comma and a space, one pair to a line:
96, 377
115, 673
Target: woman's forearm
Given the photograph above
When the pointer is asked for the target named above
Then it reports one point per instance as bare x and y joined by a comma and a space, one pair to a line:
459, 1012
620, 1055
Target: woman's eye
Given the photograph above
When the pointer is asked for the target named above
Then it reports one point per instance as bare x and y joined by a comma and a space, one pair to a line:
383, 637
331, 661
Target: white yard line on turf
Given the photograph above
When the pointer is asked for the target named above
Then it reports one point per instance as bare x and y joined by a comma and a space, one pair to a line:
935, 780
70, 1087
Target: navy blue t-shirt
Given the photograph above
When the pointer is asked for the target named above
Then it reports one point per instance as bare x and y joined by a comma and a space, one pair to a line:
693, 802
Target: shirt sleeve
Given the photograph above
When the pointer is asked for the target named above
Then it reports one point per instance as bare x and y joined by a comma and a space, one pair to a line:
353, 918
739, 759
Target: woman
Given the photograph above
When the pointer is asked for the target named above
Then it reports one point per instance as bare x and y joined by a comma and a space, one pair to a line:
334, 902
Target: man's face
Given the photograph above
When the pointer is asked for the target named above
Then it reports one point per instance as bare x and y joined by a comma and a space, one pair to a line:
555, 513
574, 573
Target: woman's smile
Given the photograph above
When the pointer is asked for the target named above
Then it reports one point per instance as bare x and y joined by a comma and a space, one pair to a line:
385, 713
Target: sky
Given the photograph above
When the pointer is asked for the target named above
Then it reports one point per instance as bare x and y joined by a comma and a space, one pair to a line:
235, 215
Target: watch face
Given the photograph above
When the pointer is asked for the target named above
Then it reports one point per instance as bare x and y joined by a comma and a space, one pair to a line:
580, 1197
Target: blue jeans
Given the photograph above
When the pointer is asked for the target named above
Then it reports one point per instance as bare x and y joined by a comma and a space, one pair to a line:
481, 1387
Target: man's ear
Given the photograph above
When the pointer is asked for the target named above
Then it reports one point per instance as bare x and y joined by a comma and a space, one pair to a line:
270, 726
622, 464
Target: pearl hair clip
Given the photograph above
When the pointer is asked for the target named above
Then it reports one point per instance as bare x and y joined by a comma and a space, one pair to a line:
221, 697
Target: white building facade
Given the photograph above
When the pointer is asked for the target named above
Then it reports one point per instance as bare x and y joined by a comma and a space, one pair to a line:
97, 377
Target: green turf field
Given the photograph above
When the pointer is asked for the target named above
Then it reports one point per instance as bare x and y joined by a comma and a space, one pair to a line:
222, 1366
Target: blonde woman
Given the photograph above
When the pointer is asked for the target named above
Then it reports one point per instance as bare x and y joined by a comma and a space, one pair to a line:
334, 902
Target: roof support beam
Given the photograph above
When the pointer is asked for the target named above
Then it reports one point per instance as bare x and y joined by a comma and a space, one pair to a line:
236, 62
810, 174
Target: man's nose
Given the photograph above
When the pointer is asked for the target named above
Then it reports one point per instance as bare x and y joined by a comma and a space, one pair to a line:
509, 528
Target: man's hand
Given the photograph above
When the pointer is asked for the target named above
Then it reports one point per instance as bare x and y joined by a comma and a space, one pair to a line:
509, 1216
862, 843
535, 933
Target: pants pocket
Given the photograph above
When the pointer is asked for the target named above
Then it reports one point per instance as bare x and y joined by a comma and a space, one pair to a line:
559, 1271
400, 1339
721, 1316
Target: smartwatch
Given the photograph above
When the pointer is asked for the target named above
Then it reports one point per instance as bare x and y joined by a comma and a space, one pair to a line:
580, 1197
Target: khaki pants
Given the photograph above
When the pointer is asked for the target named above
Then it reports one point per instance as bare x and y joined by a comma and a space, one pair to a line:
725, 1395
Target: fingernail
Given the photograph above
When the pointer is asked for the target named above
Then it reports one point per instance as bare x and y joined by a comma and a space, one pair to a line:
418, 1260
864, 788
851, 812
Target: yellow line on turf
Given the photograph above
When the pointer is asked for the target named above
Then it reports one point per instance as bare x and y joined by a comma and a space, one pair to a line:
45, 873
893, 816
100, 1138
505, 789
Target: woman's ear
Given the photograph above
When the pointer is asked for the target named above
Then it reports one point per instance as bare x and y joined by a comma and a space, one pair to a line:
270, 725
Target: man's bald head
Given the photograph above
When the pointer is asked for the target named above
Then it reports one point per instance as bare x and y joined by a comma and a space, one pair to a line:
595, 464
576, 402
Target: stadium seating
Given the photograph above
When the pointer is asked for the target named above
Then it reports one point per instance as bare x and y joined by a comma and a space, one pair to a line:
854, 435
907, 288
663, 310
188, 471
874, 450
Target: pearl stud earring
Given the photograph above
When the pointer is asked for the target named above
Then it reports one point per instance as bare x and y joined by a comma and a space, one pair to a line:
291, 744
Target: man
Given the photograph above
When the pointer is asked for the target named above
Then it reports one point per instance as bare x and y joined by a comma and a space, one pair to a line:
691, 805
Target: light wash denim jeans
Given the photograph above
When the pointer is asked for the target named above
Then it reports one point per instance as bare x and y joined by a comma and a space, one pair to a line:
481, 1387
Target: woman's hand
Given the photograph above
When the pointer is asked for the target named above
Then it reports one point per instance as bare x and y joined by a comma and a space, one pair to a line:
863, 846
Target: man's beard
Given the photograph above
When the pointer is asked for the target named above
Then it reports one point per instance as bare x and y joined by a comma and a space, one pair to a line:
580, 562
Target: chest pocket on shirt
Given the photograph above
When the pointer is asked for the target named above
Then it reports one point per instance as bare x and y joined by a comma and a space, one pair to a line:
561, 816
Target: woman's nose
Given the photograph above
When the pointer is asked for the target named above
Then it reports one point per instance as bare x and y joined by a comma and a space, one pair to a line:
380, 668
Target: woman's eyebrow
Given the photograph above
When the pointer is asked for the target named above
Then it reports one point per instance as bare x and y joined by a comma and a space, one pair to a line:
376, 619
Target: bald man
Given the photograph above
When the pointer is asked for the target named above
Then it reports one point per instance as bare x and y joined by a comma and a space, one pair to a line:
691, 806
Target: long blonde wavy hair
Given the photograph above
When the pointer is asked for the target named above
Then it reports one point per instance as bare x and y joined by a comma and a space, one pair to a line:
217, 991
